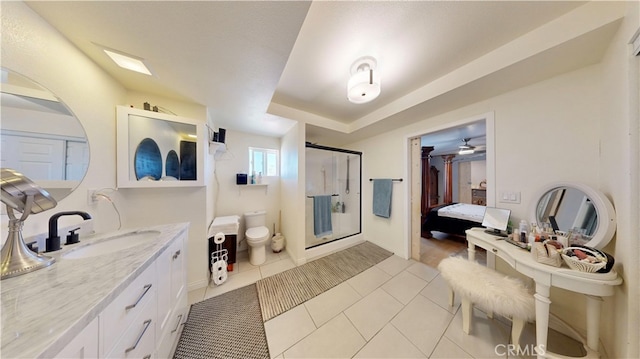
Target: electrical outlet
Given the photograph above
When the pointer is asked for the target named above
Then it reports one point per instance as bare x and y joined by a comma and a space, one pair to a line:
91, 196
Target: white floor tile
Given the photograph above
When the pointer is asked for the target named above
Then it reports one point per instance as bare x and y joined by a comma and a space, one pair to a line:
233, 282
276, 267
438, 292
394, 265
373, 312
389, 343
369, 280
446, 349
287, 329
485, 336
336, 339
196, 295
331, 303
423, 271
423, 323
404, 286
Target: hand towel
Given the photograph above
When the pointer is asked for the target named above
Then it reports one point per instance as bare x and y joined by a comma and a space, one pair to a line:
322, 216
382, 189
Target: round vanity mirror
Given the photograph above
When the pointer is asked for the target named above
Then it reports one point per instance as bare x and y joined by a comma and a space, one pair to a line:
576, 209
41, 138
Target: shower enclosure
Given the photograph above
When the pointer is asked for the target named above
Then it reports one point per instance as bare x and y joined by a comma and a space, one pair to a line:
337, 173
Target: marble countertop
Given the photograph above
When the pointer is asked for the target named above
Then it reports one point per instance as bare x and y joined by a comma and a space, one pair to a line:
44, 310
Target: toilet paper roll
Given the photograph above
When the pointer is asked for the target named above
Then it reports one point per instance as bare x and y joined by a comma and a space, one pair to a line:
219, 271
218, 238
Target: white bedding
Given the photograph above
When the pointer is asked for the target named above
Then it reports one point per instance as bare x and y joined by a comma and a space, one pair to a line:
469, 212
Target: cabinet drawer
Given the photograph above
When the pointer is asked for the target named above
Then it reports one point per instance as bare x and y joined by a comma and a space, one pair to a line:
167, 344
500, 253
138, 341
121, 313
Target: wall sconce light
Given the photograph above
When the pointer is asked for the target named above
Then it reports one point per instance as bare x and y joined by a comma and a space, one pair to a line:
364, 84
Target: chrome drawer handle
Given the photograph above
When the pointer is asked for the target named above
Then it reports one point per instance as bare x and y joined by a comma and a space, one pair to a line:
146, 289
146, 326
178, 324
176, 254
494, 250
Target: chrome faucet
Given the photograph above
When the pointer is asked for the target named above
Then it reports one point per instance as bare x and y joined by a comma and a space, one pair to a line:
52, 243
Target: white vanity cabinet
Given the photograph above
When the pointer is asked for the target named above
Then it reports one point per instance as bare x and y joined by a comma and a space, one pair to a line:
172, 296
125, 311
145, 319
84, 345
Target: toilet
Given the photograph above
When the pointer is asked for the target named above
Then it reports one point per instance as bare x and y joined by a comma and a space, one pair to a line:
257, 236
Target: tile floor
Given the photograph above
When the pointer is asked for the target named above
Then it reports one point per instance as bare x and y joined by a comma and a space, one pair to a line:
396, 309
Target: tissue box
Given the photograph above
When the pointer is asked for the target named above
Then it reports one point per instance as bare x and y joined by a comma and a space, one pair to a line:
241, 178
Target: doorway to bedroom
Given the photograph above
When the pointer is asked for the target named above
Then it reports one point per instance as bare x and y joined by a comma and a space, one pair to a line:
456, 179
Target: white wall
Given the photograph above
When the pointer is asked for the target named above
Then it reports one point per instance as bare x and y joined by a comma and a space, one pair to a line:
292, 196
232, 199
550, 131
619, 179
32, 48
46, 57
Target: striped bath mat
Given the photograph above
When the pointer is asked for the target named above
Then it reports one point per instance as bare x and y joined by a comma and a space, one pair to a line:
286, 290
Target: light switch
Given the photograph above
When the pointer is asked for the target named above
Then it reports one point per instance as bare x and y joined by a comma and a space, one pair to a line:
510, 197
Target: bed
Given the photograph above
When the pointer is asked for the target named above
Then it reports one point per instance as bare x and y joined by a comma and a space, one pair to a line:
452, 218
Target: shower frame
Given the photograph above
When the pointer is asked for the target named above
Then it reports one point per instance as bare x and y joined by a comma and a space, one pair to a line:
359, 191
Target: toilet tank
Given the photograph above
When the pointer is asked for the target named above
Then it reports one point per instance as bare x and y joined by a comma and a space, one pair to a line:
255, 219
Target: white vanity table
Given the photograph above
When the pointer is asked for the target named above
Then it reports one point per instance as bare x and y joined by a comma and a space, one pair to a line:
592, 285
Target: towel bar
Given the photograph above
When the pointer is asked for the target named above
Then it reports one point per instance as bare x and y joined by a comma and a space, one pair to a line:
393, 179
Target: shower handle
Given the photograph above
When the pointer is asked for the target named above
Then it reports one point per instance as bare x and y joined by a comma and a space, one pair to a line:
347, 189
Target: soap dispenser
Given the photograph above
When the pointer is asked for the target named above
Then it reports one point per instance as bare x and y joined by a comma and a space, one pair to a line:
73, 237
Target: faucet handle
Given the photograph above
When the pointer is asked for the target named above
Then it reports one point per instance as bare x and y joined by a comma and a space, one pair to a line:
73, 237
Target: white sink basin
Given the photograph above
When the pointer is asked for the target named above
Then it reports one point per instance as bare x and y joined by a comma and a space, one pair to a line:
112, 244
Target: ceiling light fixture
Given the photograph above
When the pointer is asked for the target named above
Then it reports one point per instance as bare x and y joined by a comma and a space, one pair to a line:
466, 149
128, 62
364, 84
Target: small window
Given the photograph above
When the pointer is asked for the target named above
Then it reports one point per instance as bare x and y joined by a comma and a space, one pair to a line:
263, 160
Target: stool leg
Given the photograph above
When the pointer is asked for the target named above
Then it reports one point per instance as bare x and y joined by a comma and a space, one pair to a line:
517, 326
467, 313
452, 296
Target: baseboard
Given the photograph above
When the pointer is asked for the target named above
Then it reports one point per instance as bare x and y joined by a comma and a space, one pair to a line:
197, 284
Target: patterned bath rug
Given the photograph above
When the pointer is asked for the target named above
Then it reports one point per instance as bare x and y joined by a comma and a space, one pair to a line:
286, 290
226, 326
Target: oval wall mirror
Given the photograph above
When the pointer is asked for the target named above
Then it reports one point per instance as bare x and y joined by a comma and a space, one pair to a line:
41, 138
578, 209
148, 160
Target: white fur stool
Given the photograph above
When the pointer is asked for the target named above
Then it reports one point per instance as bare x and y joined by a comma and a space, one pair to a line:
491, 290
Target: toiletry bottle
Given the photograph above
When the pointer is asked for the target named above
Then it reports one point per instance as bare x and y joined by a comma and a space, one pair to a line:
259, 178
523, 231
342, 207
253, 178
532, 234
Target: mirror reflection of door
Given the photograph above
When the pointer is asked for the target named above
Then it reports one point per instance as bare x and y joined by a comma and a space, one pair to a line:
40, 136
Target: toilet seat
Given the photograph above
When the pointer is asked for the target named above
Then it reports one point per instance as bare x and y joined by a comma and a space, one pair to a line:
257, 233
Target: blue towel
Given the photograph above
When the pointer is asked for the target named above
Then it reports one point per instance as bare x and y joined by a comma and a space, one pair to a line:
322, 216
382, 189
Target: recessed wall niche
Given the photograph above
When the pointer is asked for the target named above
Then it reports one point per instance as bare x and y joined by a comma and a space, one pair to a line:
173, 135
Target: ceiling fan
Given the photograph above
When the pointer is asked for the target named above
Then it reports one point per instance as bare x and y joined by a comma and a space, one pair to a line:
466, 149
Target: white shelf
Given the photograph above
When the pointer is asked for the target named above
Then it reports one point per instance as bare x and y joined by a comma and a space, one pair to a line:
265, 185
215, 147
